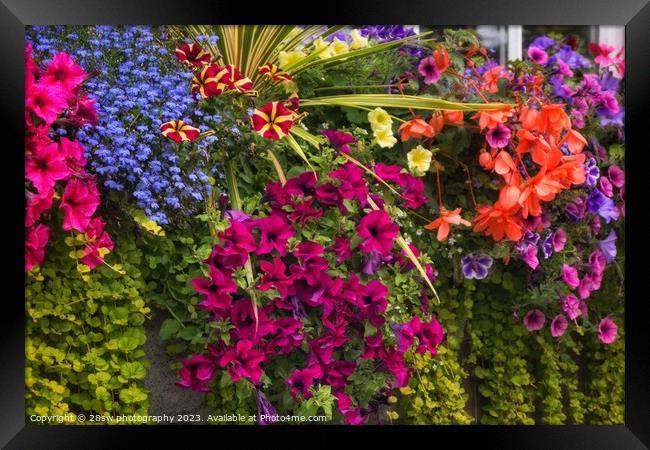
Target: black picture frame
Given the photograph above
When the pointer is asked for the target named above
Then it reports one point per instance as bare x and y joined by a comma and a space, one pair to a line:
633, 14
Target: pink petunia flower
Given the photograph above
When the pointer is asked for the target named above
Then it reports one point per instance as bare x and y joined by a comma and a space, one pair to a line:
607, 331
79, 202
534, 320
570, 276
558, 326
245, 361
35, 243
378, 232
45, 166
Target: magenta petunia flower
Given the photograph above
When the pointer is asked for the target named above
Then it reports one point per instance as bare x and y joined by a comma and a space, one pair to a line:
537, 55
388, 172
394, 363
339, 140
245, 362
79, 202
275, 233
275, 277
98, 239
378, 232
302, 185
63, 73
605, 187
46, 102
571, 306
411, 190
341, 248
498, 136
196, 373
287, 336
45, 166
570, 276
616, 176
559, 240
529, 256
534, 320
302, 379
352, 184
336, 375
37, 204
558, 326
607, 331
35, 243
247, 324
353, 416
428, 70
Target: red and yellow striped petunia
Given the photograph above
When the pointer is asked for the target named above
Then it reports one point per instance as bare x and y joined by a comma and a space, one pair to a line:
212, 80
236, 81
193, 55
273, 120
273, 71
178, 131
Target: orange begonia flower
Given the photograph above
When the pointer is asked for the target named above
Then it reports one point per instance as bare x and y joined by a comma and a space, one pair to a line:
509, 195
453, 117
550, 119
543, 153
416, 128
570, 171
446, 218
437, 122
490, 119
535, 190
505, 166
499, 222
442, 59
575, 141
486, 160
491, 77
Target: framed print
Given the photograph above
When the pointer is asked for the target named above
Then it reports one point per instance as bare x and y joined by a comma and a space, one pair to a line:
382, 218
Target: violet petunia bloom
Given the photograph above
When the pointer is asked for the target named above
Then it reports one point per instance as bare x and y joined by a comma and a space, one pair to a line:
597, 203
559, 240
616, 175
543, 42
476, 265
236, 215
534, 320
498, 136
371, 263
607, 331
558, 325
274, 234
537, 55
547, 246
339, 140
595, 225
575, 211
428, 70
570, 276
592, 173
265, 409
608, 246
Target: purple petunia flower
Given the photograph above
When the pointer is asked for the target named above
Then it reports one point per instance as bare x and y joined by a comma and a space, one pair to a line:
264, 408
607, 331
534, 320
547, 246
476, 265
559, 240
537, 55
592, 173
616, 176
428, 70
558, 325
543, 42
597, 203
499, 136
608, 246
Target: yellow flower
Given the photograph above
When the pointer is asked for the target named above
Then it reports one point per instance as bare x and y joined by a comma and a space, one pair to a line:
358, 41
286, 59
419, 160
320, 44
385, 138
339, 47
379, 119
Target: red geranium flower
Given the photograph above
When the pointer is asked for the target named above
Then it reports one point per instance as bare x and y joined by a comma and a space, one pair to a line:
272, 121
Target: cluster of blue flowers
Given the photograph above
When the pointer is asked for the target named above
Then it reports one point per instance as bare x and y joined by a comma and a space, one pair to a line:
137, 84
